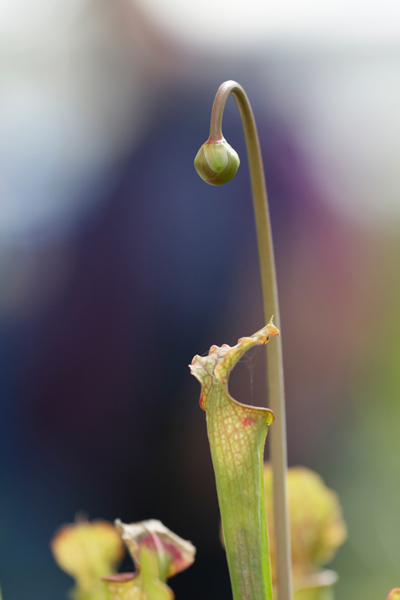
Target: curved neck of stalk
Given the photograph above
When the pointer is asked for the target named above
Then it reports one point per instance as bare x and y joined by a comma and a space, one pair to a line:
278, 448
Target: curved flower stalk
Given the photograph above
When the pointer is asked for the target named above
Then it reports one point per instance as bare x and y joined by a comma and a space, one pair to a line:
237, 435
216, 163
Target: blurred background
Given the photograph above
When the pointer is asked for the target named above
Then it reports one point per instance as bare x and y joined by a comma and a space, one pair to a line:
118, 264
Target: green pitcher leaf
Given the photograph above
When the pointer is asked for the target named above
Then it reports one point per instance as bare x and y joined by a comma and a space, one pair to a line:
124, 586
172, 553
88, 551
157, 553
142, 585
153, 588
237, 435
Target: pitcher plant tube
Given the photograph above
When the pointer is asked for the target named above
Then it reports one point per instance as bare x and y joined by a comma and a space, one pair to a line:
237, 434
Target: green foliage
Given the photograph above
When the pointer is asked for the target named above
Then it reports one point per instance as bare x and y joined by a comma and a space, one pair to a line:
317, 527
171, 553
144, 585
88, 551
315, 593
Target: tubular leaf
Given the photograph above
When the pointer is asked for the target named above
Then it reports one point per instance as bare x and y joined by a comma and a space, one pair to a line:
237, 435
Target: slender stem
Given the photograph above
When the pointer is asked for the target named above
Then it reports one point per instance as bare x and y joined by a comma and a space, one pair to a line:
278, 451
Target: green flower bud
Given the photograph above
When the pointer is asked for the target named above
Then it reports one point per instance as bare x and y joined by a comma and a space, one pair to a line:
217, 162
